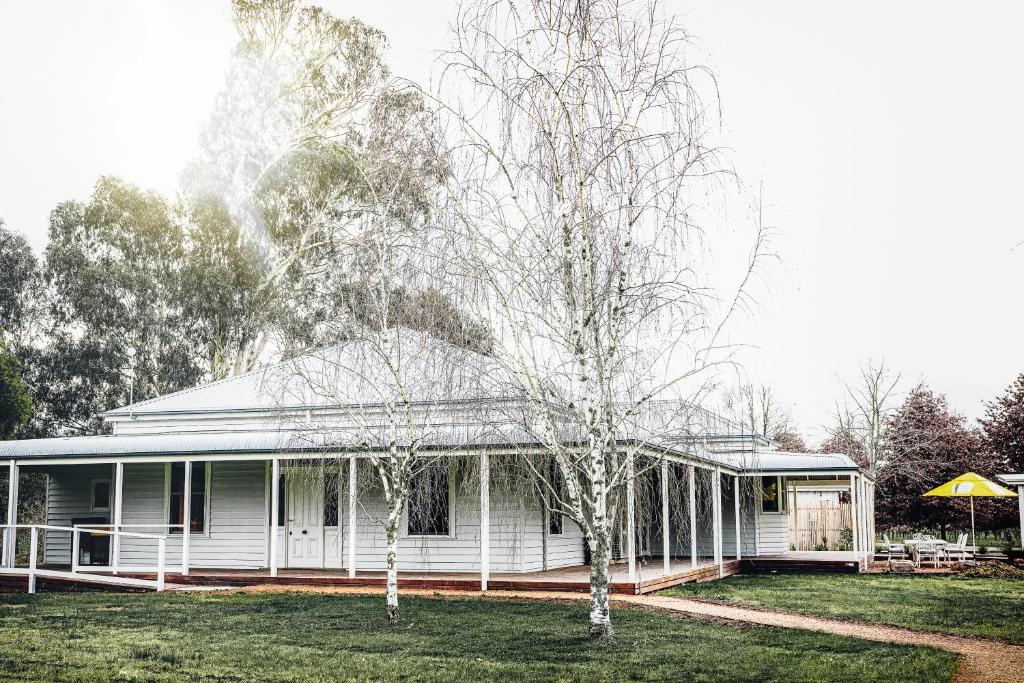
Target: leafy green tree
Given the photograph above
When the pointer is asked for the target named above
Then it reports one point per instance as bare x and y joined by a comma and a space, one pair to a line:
113, 266
19, 287
16, 405
275, 154
221, 293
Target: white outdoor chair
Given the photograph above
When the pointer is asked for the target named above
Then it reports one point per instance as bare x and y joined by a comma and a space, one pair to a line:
897, 550
928, 552
959, 551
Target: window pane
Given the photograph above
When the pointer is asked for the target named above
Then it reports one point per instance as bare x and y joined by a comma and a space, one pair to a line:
331, 499
281, 509
197, 511
101, 495
555, 517
428, 501
770, 494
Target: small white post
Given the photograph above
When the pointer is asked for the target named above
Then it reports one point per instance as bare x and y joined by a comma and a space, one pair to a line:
855, 521
866, 546
118, 489
274, 503
161, 561
1020, 508
736, 501
75, 550
666, 538
692, 473
186, 518
630, 518
485, 520
32, 548
352, 517
11, 532
716, 491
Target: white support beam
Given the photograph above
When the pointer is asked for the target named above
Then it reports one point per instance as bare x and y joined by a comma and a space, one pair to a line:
186, 518
33, 548
275, 503
855, 516
666, 537
716, 507
692, 491
485, 520
736, 501
268, 527
863, 515
11, 533
869, 516
118, 499
630, 518
352, 516
862, 496
1020, 508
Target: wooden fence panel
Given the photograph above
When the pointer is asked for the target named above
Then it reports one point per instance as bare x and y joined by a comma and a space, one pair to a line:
819, 525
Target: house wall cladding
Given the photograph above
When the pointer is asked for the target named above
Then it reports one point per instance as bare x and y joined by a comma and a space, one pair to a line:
69, 497
236, 528
239, 509
773, 533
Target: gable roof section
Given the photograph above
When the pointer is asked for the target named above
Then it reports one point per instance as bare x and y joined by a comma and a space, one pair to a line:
359, 372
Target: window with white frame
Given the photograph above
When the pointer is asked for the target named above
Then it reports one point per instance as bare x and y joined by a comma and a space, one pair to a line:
100, 496
430, 500
773, 495
331, 498
199, 504
554, 514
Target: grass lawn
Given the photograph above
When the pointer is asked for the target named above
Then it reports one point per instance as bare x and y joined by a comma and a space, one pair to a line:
249, 637
992, 608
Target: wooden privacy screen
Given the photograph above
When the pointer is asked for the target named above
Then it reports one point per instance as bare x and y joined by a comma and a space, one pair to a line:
820, 526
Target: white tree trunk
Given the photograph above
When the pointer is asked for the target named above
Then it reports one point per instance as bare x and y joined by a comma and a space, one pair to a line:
600, 549
600, 580
394, 516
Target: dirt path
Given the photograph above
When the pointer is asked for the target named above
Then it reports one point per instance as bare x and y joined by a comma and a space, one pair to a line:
981, 660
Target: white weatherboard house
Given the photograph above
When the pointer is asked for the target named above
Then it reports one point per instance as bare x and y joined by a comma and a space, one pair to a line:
234, 481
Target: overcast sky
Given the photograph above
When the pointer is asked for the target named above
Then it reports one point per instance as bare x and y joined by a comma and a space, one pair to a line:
888, 136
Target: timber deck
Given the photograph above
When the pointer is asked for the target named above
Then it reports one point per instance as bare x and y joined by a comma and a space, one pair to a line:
577, 578
651, 576
835, 562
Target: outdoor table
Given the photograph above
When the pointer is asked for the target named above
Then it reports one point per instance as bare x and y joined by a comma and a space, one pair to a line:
912, 544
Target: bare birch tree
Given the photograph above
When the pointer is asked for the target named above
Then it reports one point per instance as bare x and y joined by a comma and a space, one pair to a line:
757, 410
407, 349
863, 416
584, 166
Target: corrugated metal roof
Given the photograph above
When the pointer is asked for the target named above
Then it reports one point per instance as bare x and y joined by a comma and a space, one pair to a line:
782, 461
351, 373
450, 436
269, 441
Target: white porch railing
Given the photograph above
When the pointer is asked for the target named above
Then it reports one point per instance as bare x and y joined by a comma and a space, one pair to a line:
114, 558
77, 573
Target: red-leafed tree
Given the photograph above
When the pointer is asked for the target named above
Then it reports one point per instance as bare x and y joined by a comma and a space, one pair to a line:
929, 445
1003, 426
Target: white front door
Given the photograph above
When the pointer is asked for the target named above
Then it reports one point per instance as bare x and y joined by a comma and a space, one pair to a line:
305, 522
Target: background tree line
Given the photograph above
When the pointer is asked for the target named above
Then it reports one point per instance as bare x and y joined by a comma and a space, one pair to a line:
910, 440
917, 443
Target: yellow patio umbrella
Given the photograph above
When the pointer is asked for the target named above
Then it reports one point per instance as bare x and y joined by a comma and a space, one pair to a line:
972, 486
